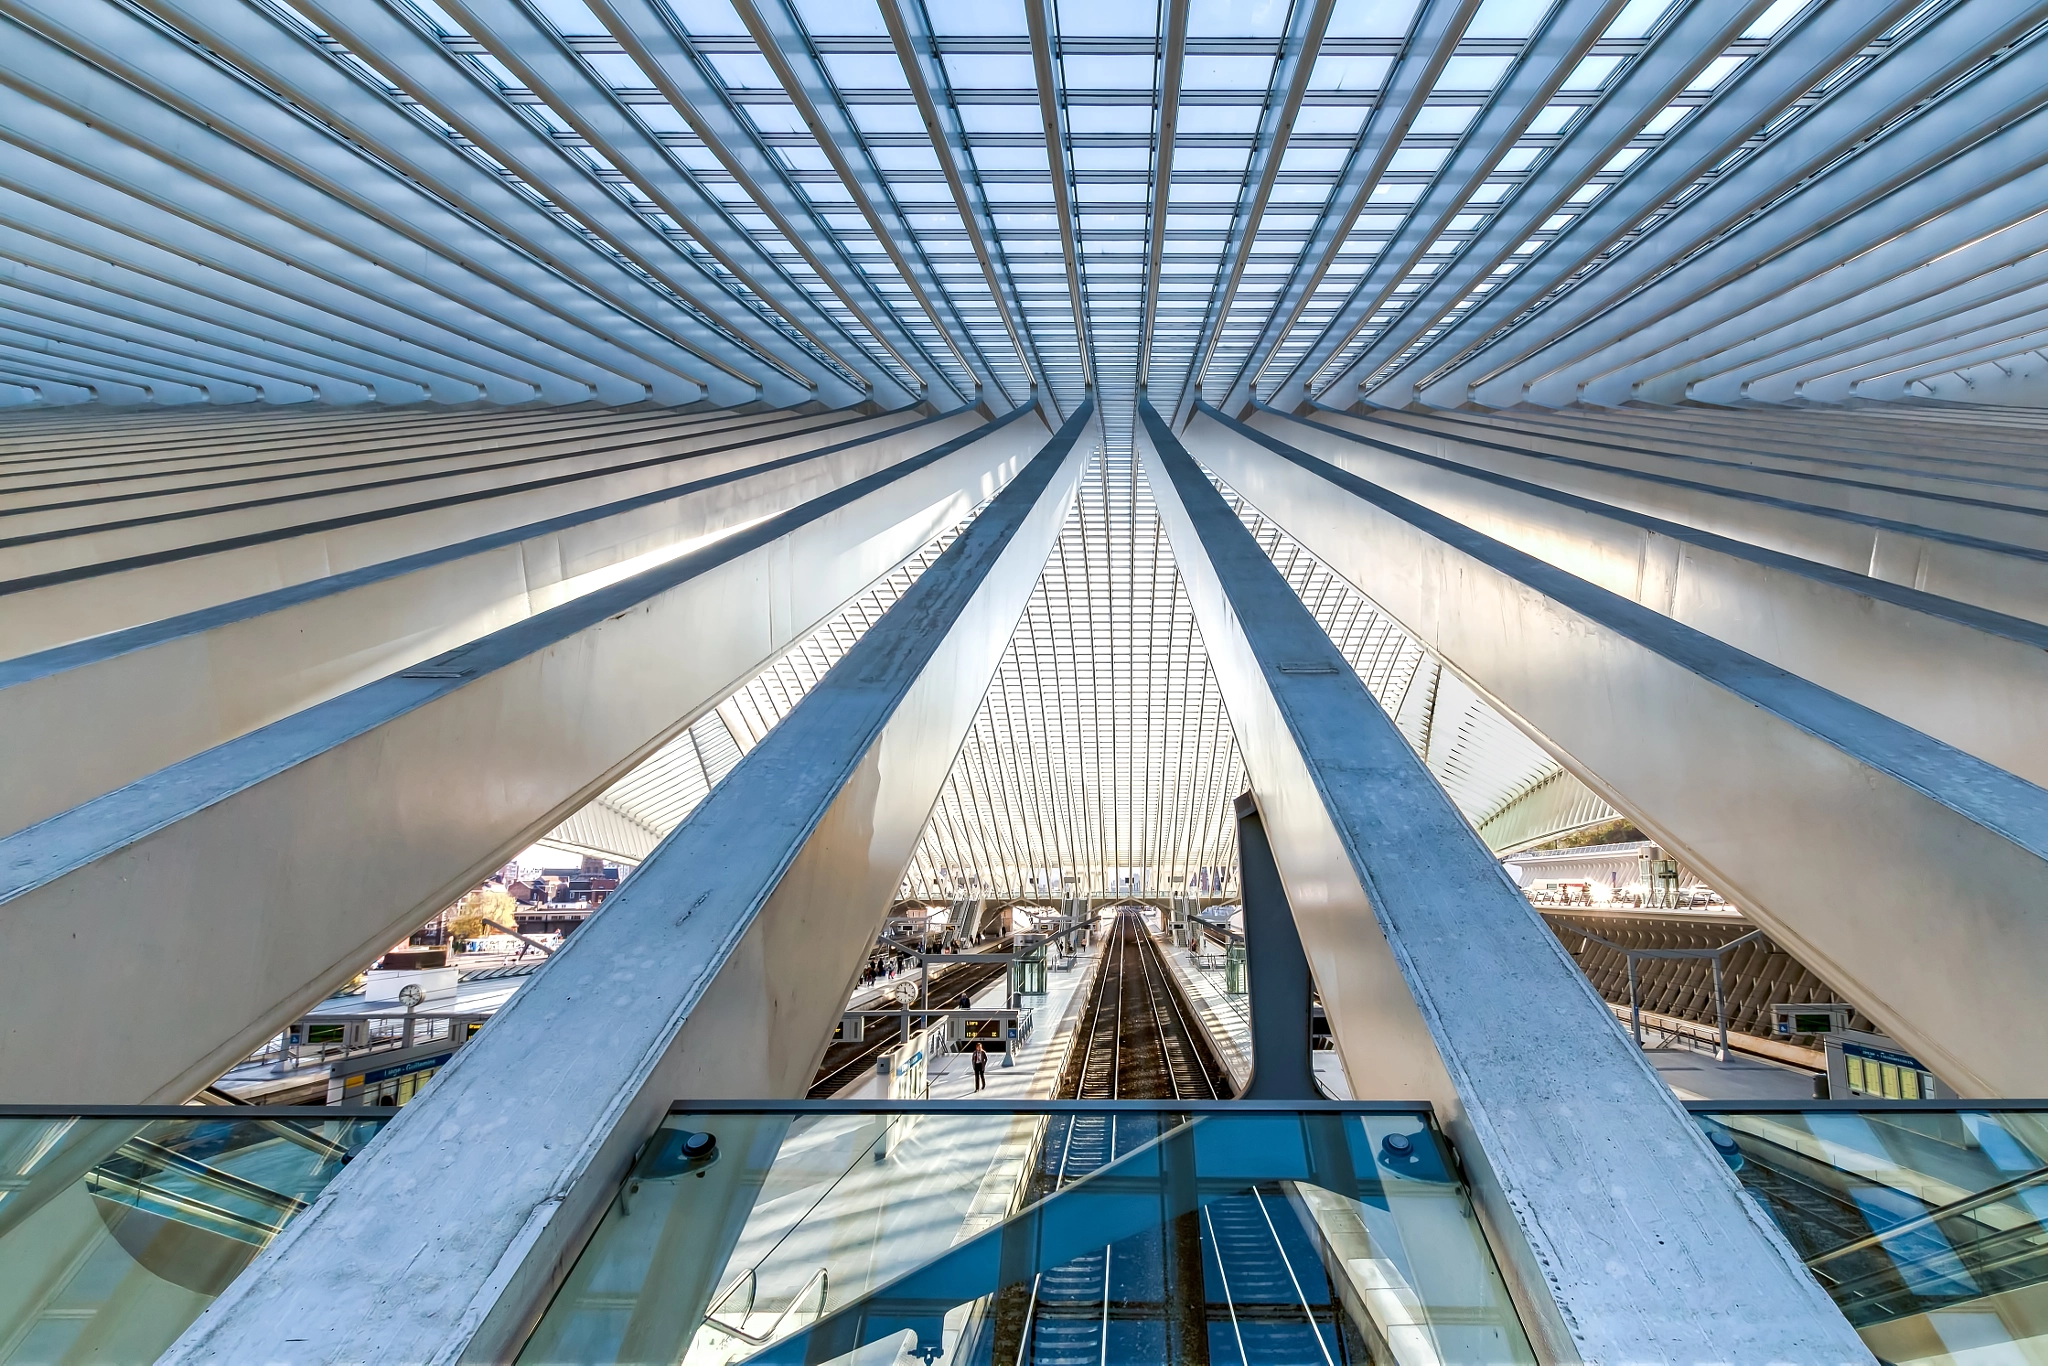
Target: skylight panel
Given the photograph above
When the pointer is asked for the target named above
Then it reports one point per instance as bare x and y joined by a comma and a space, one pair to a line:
1507, 18
1776, 17
498, 71
1715, 72
1637, 18
886, 118
1473, 73
1449, 120
1591, 73
1211, 71
990, 71
1337, 72
775, 116
865, 71
1317, 120
1418, 158
1000, 118
618, 71
1665, 120
745, 70
1109, 71
1108, 118
1237, 18
842, 18
1371, 18
569, 16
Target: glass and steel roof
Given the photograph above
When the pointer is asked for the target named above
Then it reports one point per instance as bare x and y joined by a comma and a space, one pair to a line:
837, 199
890, 201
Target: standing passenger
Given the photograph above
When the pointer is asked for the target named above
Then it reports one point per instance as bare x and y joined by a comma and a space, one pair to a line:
980, 1067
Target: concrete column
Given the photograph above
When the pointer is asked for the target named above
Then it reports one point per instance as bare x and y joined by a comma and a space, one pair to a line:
194, 912
715, 972
1899, 869
1441, 983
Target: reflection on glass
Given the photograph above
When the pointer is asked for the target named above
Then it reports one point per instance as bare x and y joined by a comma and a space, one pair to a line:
1926, 1227
116, 1233
1112, 1235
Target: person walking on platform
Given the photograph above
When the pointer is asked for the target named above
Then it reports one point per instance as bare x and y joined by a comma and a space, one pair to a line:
980, 1067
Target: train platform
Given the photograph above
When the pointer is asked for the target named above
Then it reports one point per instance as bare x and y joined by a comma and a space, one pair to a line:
1226, 1022
1056, 1018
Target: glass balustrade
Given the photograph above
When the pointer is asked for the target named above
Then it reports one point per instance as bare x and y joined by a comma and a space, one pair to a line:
1927, 1224
1111, 1232
118, 1227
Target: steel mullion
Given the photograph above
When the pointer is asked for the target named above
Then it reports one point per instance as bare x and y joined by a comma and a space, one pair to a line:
1568, 32
1170, 65
1822, 40
58, 312
1884, 190
786, 44
1051, 102
102, 299
322, 191
261, 43
917, 51
59, 157
1284, 94
654, 40
532, 50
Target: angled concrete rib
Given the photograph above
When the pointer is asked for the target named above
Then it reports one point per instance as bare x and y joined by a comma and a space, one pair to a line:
1441, 984
1963, 674
192, 913
715, 971
94, 715
107, 578
1901, 870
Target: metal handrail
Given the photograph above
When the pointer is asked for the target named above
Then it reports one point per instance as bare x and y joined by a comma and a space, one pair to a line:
818, 1278
1991, 1195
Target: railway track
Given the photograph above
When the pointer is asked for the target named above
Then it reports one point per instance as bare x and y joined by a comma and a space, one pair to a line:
1239, 1281
1137, 1040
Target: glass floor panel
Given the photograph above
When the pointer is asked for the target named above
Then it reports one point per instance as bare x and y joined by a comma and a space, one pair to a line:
116, 1231
1928, 1225
1098, 1234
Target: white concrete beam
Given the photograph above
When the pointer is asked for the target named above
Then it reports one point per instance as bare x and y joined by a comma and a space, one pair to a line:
216, 558
715, 972
193, 913
1441, 983
1896, 867
93, 716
